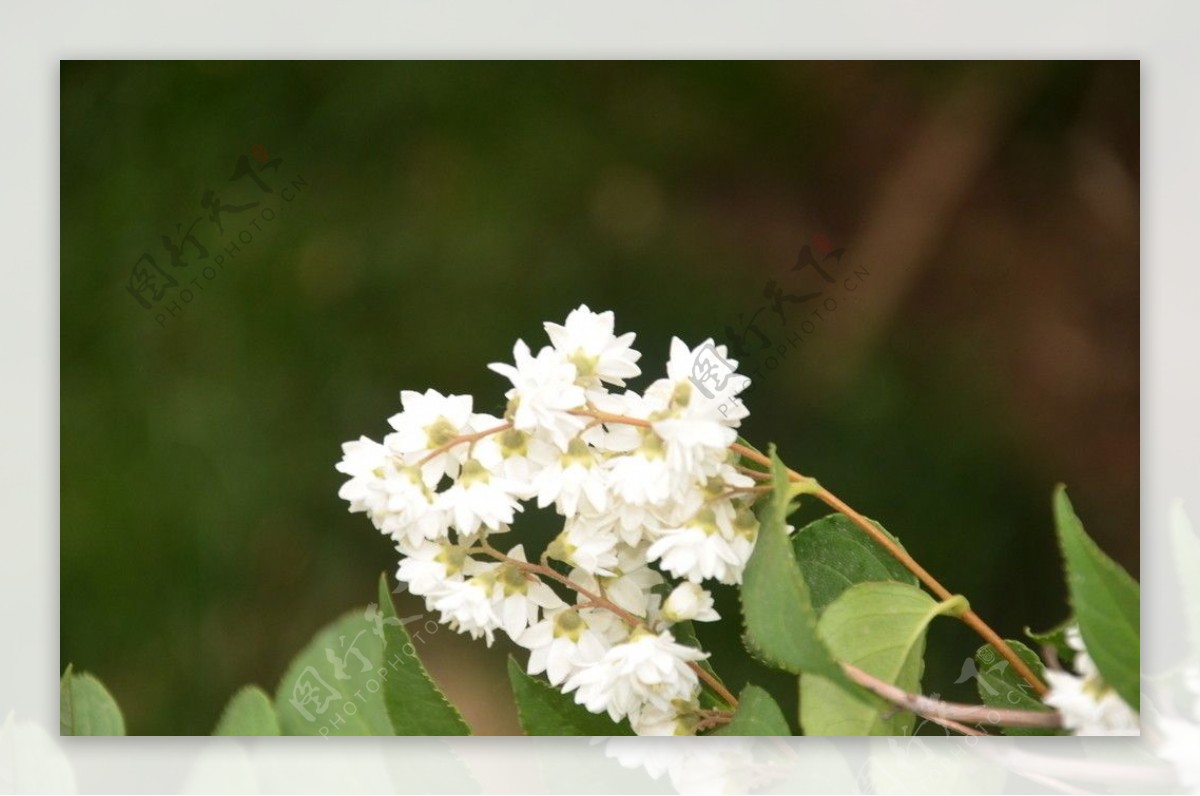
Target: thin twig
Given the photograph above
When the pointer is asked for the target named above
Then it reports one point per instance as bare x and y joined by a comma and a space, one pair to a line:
958, 727
471, 438
609, 417
972, 619
758, 475
937, 710
713, 718
744, 490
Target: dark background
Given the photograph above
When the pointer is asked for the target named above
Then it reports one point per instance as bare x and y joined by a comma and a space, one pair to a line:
989, 349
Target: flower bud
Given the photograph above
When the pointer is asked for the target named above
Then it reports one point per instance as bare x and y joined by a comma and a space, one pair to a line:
689, 601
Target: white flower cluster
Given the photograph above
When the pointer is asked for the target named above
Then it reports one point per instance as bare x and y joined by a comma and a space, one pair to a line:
1088, 705
652, 501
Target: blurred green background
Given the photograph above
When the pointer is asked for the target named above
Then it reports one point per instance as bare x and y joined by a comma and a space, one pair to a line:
438, 211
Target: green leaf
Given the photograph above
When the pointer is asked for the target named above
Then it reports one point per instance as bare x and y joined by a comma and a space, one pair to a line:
544, 710
86, 708
781, 625
335, 685
1001, 687
1107, 604
880, 628
757, 714
250, 712
1056, 638
414, 703
834, 554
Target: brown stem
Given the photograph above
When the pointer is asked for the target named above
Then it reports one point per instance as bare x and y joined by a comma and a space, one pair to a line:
609, 417
608, 605
958, 727
748, 490
713, 718
758, 475
471, 438
972, 619
935, 709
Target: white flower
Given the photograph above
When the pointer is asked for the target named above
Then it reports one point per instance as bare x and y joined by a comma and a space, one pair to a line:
695, 448
426, 566
637, 524
727, 477
1083, 662
587, 543
479, 498
606, 624
629, 587
562, 644
697, 428
518, 456
363, 460
710, 545
428, 422
719, 491
544, 393
409, 511
643, 477
689, 601
647, 669
394, 497
517, 597
652, 489
575, 481
678, 719
622, 437
587, 341
466, 607
694, 554
1088, 705
721, 380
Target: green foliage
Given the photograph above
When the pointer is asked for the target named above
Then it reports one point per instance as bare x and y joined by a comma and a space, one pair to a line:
334, 686
757, 714
878, 627
1107, 604
250, 712
1000, 686
361, 676
415, 705
544, 710
86, 708
834, 554
1056, 639
781, 624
